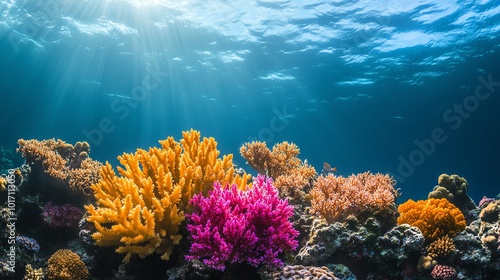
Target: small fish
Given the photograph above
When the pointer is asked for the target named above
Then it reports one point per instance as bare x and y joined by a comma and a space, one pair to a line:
118, 95
328, 169
397, 117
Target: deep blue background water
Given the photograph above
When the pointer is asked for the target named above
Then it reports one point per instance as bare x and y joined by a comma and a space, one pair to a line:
353, 83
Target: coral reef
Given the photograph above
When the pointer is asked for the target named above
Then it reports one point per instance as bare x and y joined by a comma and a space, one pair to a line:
241, 226
434, 217
68, 164
362, 247
300, 272
337, 197
140, 211
66, 265
182, 211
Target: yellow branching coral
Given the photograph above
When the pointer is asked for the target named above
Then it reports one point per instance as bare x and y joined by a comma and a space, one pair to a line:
434, 217
140, 211
33, 274
66, 265
63, 161
282, 159
337, 197
3, 184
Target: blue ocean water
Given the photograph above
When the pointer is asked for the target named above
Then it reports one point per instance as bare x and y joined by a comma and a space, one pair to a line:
409, 89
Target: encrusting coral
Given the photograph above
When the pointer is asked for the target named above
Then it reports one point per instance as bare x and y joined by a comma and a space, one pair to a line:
434, 217
140, 211
63, 161
66, 265
337, 197
300, 272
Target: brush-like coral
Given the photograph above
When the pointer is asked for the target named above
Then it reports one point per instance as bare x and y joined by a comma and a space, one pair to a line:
236, 226
140, 211
63, 161
434, 217
337, 197
277, 162
66, 265
296, 180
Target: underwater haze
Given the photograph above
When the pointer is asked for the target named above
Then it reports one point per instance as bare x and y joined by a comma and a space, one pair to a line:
408, 88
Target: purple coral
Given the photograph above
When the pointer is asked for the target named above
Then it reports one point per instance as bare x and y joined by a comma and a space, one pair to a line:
61, 216
28, 242
236, 226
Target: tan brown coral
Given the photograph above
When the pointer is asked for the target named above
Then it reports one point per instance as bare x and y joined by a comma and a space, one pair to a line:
67, 163
441, 248
66, 265
300, 272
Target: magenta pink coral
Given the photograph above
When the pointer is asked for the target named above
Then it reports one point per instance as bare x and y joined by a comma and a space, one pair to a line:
235, 226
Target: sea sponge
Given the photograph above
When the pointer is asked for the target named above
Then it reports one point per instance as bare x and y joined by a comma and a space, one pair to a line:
491, 212
66, 265
434, 217
425, 263
452, 187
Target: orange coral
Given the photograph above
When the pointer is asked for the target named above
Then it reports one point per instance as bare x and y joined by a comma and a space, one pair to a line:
65, 162
66, 265
140, 211
3, 184
295, 179
434, 217
282, 159
336, 197
291, 176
